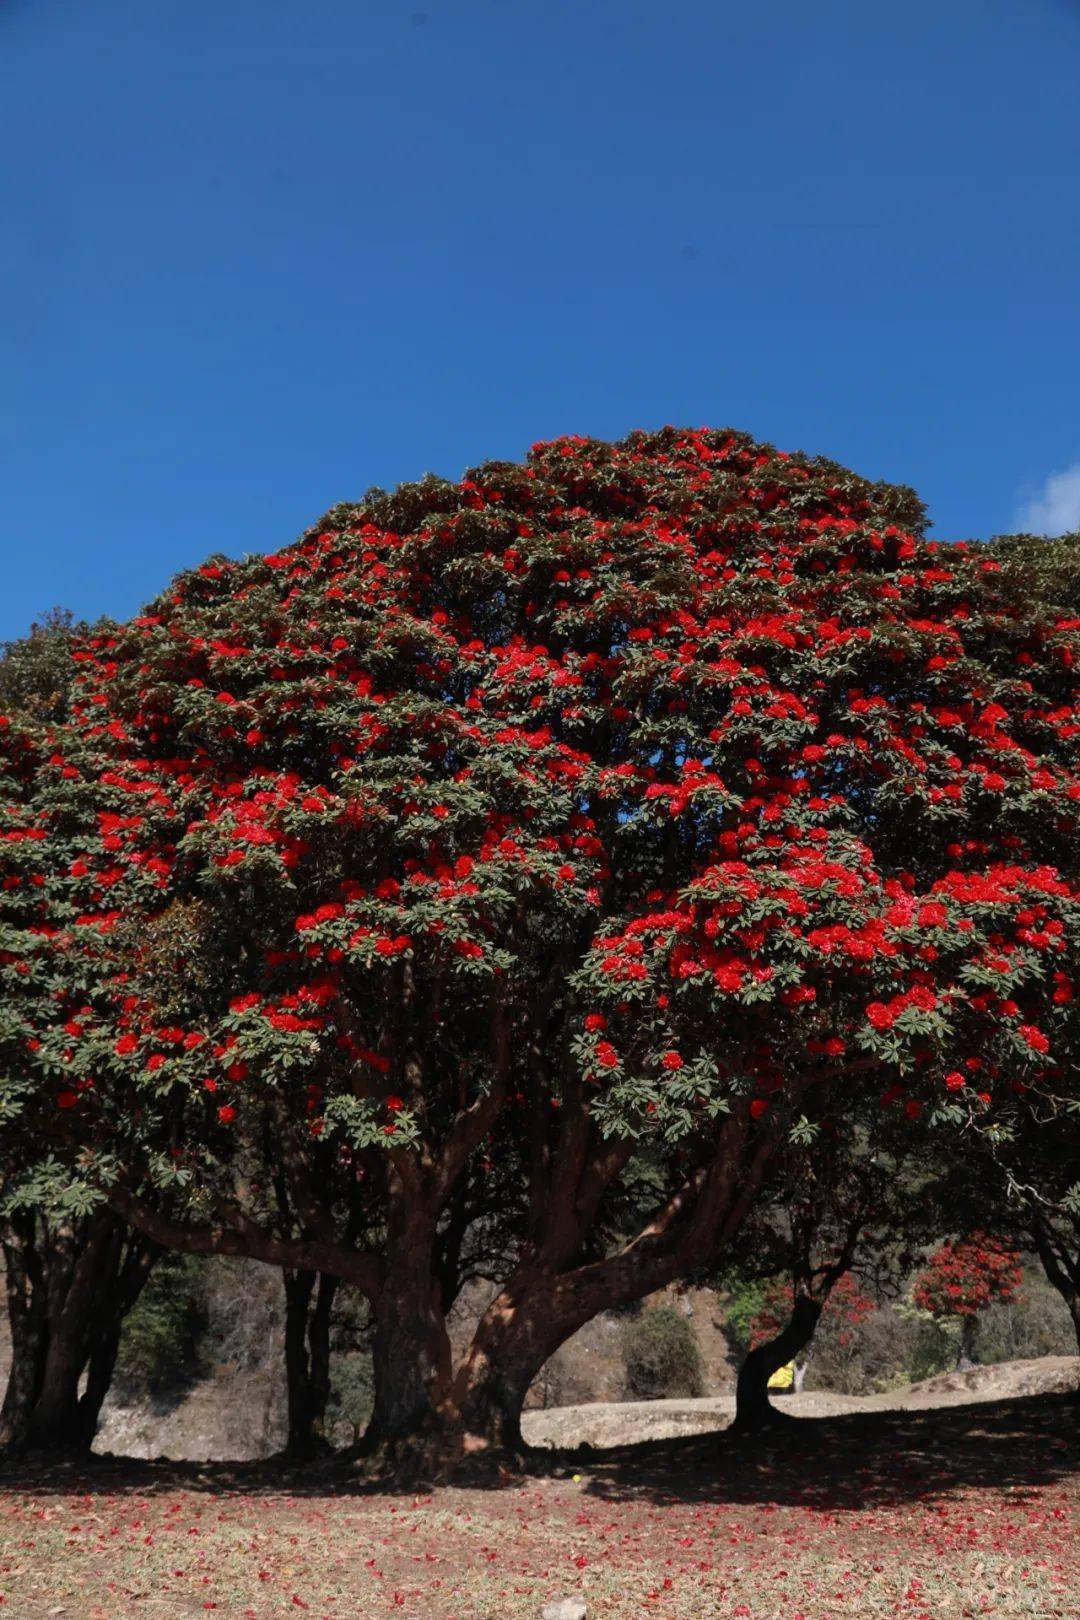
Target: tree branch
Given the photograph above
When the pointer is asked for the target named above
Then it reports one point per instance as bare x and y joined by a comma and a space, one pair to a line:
239, 1235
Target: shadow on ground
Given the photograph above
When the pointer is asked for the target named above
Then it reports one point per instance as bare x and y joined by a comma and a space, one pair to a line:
849, 1463
858, 1461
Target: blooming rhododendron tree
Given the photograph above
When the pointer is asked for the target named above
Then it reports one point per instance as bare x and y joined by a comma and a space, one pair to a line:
1021, 1177
671, 791
964, 1276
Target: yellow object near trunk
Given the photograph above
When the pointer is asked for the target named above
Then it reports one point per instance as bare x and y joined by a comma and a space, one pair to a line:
784, 1377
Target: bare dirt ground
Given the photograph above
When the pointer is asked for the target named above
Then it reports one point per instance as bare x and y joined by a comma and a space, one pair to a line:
622, 1423
930, 1512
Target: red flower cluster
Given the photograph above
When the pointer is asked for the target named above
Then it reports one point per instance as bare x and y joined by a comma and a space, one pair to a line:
964, 1276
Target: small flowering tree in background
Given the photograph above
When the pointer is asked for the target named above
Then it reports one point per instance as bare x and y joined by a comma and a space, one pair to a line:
675, 793
962, 1277
1021, 1178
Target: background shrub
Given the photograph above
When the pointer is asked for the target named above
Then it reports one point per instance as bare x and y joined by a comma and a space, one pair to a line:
352, 1376
892, 1346
661, 1355
352, 1394
162, 1341
1036, 1323
245, 1305
746, 1299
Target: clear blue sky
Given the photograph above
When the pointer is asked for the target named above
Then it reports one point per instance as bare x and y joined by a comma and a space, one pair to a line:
260, 254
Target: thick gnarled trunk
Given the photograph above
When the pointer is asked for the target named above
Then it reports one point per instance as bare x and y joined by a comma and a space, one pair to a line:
412, 1420
426, 1414
513, 1339
554, 1292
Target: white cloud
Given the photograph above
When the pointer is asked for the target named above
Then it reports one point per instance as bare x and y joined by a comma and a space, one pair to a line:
1056, 507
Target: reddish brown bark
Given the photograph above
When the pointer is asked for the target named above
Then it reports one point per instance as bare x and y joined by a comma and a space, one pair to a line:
426, 1411
549, 1298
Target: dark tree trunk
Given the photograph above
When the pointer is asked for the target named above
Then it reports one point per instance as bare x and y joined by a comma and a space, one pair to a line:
78, 1309
965, 1349
298, 1290
1061, 1263
24, 1381
54, 1423
69, 1288
129, 1259
29, 1337
307, 1358
412, 1421
1070, 1293
99, 1373
319, 1353
753, 1409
